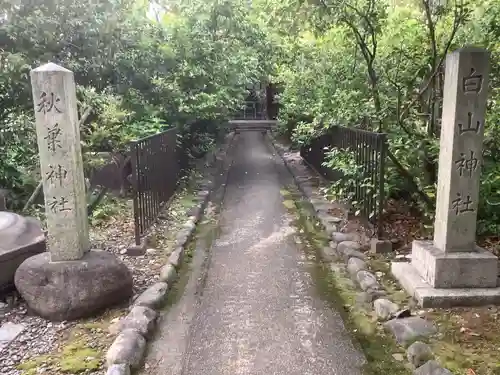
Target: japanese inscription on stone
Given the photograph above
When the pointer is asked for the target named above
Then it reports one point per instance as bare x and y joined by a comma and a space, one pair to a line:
60, 161
460, 158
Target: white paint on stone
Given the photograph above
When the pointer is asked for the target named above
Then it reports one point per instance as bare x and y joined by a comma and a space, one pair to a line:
61, 162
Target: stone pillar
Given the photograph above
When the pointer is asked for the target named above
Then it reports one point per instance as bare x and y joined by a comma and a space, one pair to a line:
453, 262
61, 164
69, 281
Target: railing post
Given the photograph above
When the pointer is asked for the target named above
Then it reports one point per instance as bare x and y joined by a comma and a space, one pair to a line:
135, 187
381, 200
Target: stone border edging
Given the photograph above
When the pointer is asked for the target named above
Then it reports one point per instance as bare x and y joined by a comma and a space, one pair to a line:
127, 351
405, 328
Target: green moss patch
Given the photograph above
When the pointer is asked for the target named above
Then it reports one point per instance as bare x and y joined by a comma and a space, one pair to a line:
340, 292
80, 348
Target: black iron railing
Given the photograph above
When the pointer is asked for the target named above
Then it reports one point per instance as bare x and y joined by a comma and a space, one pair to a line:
156, 166
369, 150
251, 110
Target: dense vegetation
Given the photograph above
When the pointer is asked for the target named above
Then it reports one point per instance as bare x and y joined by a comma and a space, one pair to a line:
380, 64
373, 62
138, 69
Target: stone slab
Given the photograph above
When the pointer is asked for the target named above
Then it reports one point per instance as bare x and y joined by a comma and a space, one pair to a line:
8, 332
427, 296
407, 330
474, 269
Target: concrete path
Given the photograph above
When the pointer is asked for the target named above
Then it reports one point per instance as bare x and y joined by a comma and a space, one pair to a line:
258, 311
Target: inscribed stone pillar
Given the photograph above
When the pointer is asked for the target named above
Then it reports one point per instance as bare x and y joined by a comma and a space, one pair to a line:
54, 97
460, 158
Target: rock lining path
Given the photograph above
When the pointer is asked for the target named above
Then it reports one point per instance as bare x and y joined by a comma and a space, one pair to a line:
257, 310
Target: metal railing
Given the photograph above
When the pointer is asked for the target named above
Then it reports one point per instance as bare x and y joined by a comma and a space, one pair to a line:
252, 110
369, 151
156, 166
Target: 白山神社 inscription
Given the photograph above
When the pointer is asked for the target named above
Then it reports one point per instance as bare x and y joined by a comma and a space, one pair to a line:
449, 270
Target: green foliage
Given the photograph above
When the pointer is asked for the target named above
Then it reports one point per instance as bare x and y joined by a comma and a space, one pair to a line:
377, 65
138, 74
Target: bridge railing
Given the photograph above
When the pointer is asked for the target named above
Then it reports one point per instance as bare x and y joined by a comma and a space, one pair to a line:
156, 167
251, 110
368, 150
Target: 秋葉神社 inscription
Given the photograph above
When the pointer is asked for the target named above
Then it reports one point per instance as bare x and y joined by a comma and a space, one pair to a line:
61, 162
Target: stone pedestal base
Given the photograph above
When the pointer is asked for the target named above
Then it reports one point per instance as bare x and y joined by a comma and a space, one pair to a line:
427, 296
70, 290
438, 279
475, 269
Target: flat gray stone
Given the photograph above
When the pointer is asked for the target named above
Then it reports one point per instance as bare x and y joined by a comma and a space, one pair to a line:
351, 253
341, 237
367, 280
141, 319
182, 237
8, 332
168, 274
128, 348
153, 296
68, 290
418, 354
176, 258
407, 330
432, 368
354, 265
118, 369
328, 253
384, 309
351, 245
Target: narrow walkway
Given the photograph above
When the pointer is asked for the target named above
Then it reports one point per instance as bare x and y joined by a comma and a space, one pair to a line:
259, 312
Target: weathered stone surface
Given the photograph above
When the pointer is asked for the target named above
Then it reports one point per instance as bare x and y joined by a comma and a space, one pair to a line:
8, 332
408, 329
351, 245
419, 353
384, 309
128, 348
153, 296
462, 132
431, 368
73, 289
59, 147
380, 246
328, 253
120, 369
351, 253
330, 228
168, 274
20, 238
367, 280
473, 269
177, 257
182, 237
136, 250
189, 225
341, 237
141, 319
354, 265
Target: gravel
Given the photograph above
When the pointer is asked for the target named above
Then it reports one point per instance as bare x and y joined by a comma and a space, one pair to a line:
41, 336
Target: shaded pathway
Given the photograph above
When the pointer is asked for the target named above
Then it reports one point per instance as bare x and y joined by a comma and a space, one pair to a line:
259, 312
